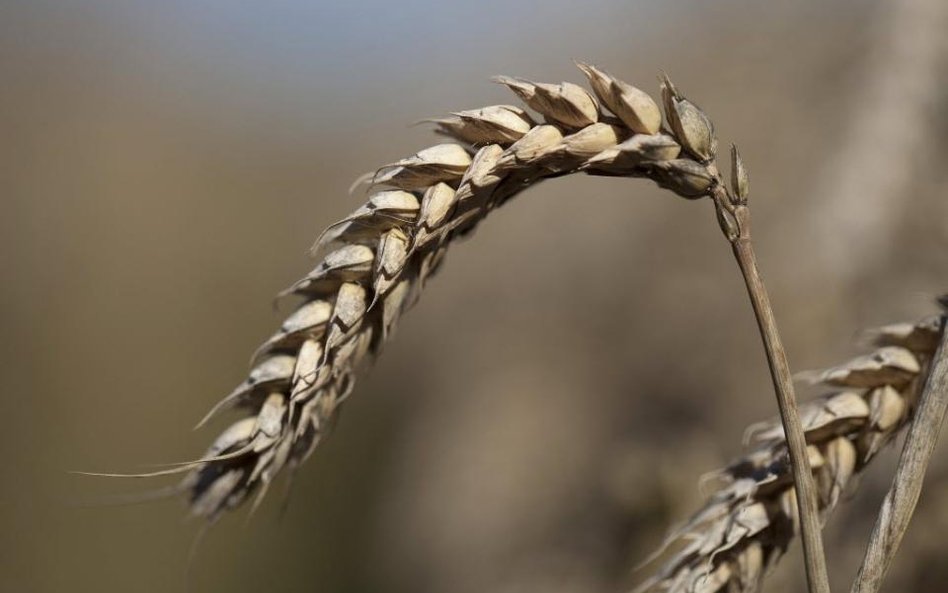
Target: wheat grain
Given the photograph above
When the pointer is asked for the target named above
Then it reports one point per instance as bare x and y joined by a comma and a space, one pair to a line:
748, 523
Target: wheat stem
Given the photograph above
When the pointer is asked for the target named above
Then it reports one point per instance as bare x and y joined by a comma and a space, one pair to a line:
735, 220
899, 503
814, 558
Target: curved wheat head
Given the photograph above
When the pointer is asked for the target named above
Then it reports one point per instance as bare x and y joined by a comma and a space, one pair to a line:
376, 261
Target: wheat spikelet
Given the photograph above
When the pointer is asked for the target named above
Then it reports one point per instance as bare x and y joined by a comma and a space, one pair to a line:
748, 523
377, 259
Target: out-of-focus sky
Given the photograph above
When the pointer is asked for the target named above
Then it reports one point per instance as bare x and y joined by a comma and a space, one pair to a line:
165, 165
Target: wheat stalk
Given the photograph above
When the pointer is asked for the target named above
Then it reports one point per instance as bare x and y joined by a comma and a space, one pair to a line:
899, 504
748, 523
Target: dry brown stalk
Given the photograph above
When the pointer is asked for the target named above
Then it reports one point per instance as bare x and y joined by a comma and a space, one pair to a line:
810, 528
899, 503
748, 523
734, 218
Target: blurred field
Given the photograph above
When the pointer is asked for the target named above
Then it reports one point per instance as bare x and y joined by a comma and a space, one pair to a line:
165, 166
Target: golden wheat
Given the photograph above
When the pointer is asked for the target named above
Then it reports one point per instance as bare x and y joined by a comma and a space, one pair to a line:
375, 262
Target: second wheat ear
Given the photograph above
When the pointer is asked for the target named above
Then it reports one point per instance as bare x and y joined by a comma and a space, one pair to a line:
378, 259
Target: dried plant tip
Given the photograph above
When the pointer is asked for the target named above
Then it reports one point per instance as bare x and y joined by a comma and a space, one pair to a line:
691, 126
565, 103
501, 124
739, 182
684, 177
633, 106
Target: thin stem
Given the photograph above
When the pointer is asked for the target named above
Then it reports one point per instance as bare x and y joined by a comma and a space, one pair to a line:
810, 528
899, 503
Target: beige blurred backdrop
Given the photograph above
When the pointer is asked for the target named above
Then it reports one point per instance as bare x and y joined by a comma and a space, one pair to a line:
545, 412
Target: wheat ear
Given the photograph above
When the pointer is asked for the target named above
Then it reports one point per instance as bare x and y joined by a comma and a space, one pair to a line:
376, 260
748, 523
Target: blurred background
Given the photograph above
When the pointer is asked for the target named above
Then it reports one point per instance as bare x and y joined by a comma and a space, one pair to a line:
545, 412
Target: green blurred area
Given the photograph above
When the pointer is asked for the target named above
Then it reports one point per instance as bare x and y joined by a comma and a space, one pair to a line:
545, 412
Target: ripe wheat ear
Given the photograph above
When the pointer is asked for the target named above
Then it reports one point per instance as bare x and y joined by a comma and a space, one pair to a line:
748, 523
376, 260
